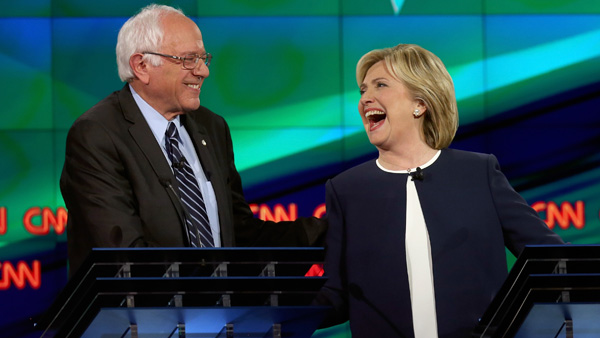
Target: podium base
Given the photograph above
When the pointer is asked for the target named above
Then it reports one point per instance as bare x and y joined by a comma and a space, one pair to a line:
292, 321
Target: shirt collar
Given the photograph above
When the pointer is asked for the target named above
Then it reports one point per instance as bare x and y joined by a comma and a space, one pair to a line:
158, 123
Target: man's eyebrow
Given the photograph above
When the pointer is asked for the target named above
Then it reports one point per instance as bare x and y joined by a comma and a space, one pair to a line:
195, 52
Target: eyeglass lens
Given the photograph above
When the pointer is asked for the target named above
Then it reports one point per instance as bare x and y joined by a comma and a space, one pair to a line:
191, 61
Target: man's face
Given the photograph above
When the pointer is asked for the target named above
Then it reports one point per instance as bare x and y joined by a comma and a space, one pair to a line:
173, 89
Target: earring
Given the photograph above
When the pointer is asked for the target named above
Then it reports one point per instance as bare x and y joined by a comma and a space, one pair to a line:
417, 113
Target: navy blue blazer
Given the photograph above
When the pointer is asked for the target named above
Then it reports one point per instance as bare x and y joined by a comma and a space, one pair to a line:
471, 213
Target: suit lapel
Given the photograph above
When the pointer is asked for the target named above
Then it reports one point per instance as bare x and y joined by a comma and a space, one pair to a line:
144, 138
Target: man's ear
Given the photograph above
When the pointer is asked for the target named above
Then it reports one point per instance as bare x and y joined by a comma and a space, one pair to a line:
140, 67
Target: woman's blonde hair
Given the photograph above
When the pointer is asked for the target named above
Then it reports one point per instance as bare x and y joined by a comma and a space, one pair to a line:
427, 79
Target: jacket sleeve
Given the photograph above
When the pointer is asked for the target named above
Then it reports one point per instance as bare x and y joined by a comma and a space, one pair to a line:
521, 225
251, 231
334, 293
97, 194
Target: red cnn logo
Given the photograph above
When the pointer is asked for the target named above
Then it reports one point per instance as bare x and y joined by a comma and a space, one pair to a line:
58, 221
564, 215
21, 275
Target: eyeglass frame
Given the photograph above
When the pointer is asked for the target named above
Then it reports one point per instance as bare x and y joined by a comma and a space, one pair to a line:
207, 57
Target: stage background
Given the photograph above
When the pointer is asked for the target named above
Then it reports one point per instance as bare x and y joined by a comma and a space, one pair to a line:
527, 77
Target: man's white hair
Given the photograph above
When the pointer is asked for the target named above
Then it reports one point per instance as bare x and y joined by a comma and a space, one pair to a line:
143, 32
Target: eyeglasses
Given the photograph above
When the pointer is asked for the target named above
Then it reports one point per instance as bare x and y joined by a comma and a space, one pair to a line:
190, 61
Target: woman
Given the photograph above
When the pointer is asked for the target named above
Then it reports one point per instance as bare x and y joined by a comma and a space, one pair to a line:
416, 243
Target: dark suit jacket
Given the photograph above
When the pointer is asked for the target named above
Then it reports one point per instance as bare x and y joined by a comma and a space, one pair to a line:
115, 183
471, 213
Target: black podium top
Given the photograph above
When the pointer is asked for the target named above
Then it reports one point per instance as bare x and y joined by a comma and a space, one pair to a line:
559, 275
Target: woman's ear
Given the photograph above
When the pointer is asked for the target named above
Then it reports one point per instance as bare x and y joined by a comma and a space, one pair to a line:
421, 106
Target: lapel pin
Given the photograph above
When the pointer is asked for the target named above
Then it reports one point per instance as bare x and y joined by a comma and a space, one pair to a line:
203, 143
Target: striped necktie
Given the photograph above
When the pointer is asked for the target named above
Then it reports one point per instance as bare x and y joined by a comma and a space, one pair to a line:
197, 221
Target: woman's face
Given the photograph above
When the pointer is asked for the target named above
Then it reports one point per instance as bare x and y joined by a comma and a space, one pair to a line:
386, 108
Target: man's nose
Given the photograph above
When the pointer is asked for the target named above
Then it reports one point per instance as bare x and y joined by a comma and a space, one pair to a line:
201, 69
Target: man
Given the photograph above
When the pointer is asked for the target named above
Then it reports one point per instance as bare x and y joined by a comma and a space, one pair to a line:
149, 166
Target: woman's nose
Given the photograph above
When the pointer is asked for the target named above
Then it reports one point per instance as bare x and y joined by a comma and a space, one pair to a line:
366, 97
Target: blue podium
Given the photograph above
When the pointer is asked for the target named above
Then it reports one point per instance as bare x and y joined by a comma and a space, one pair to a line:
189, 292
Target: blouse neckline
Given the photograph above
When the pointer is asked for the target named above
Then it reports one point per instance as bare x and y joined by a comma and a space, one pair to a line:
410, 170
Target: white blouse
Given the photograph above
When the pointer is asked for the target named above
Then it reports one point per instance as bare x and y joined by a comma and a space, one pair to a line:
418, 259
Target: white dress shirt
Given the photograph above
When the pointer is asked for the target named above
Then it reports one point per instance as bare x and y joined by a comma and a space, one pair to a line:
158, 124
